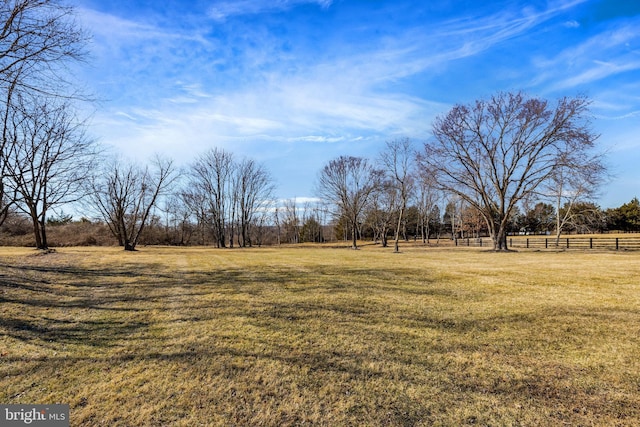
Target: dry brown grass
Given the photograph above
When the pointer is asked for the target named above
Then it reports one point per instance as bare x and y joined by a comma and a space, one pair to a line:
322, 336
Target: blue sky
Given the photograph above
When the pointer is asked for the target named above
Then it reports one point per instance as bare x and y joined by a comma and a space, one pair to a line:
295, 83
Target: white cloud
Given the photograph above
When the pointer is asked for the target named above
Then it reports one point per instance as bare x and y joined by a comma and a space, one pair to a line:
601, 56
597, 71
316, 138
113, 29
182, 90
322, 100
430, 47
301, 201
225, 9
572, 24
628, 115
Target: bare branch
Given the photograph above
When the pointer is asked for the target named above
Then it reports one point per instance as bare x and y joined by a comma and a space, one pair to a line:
499, 151
348, 182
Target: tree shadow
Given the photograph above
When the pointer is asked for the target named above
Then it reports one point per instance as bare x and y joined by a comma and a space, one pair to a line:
53, 332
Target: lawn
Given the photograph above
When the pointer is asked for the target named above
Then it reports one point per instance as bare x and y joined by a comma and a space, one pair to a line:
323, 336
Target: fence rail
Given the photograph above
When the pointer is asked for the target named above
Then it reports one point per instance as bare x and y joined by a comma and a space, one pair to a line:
573, 242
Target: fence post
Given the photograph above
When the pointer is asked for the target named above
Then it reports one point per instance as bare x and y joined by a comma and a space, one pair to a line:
527, 243
480, 242
511, 242
468, 242
546, 243
617, 245
567, 243
590, 242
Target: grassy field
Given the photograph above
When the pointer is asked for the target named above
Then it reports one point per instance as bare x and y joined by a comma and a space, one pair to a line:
323, 336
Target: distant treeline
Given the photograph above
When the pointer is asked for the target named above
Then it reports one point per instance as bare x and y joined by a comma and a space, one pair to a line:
308, 222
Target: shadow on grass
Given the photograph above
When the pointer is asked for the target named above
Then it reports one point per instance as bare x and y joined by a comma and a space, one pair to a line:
86, 332
334, 323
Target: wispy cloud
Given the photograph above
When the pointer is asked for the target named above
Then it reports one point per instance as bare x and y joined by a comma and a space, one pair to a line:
316, 138
254, 77
596, 71
225, 9
113, 29
323, 99
603, 55
618, 100
629, 115
421, 48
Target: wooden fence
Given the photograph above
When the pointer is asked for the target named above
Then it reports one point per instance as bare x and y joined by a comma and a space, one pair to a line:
572, 242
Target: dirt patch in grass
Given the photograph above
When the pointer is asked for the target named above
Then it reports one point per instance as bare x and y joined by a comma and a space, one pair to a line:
199, 336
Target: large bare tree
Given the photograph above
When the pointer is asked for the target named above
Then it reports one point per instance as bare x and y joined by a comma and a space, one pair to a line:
348, 182
48, 158
126, 193
38, 40
8, 112
495, 152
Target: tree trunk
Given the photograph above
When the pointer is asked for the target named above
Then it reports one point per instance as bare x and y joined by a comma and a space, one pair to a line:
43, 235
558, 221
425, 232
244, 233
354, 233
397, 246
500, 239
36, 234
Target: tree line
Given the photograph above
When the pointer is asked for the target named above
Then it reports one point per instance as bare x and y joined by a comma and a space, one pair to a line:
508, 163
225, 201
493, 156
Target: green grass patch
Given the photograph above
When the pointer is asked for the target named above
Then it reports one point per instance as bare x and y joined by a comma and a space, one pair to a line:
323, 336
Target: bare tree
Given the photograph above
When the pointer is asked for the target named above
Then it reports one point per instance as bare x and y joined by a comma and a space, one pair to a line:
397, 161
229, 195
196, 202
278, 223
254, 189
211, 175
38, 40
312, 230
427, 199
8, 136
382, 209
584, 217
291, 220
262, 222
348, 182
495, 152
48, 159
125, 195
471, 222
178, 226
453, 215
575, 181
